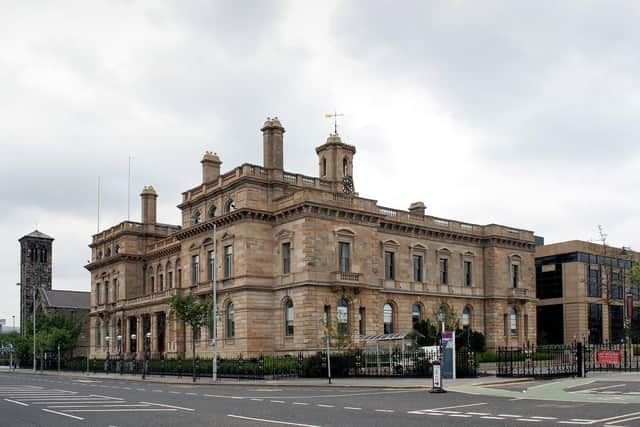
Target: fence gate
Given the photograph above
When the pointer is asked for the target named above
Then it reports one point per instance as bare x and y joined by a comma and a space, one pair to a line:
539, 361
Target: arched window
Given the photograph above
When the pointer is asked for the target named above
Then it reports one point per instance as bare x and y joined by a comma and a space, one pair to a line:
108, 252
345, 167
513, 322
212, 212
106, 334
343, 317
324, 167
466, 317
388, 318
231, 321
197, 217
288, 318
97, 334
230, 206
116, 249
416, 314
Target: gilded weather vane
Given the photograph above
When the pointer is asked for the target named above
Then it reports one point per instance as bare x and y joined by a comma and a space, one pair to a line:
335, 116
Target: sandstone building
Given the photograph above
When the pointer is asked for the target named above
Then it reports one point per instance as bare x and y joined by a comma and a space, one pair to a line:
297, 252
582, 288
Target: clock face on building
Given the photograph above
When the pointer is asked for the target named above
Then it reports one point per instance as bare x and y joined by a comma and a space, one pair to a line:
347, 185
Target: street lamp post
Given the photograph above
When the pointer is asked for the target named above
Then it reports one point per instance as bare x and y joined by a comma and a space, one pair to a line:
119, 340
58, 357
214, 321
147, 342
133, 355
106, 361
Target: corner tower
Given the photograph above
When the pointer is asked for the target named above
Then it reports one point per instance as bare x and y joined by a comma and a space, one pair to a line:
336, 162
36, 259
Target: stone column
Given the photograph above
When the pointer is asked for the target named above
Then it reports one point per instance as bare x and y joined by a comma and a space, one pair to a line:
154, 333
140, 336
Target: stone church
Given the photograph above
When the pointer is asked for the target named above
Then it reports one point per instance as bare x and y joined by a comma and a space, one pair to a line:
298, 253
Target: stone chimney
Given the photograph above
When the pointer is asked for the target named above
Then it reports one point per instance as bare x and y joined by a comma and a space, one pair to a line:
210, 167
148, 198
417, 208
272, 142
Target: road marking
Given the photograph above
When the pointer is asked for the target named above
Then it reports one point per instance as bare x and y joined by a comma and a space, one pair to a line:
385, 410
454, 407
529, 420
300, 403
191, 394
324, 406
573, 422
351, 408
460, 415
254, 399
544, 418
509, 416
157, 391
106, 397
63, 414
450, 412
123, 410
277, 401
598, 388
179, 392
492, 418
623, 420
169, 406
271, 421
478, 413
98, 406
16, 402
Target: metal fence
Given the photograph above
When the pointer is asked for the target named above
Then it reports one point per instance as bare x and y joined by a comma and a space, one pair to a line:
538, 361
392, 362
566, 360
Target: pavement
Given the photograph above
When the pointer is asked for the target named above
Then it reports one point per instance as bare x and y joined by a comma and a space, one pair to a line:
28, 399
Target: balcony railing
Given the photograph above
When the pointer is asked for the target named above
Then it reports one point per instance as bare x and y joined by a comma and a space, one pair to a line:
347, 276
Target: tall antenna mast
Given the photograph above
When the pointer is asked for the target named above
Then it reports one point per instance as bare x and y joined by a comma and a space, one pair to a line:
129, 192
98, 204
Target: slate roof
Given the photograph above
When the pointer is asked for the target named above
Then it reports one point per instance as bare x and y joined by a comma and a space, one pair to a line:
67, 299
37, 234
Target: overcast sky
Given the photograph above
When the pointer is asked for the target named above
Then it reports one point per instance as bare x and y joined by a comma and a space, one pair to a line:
519, 113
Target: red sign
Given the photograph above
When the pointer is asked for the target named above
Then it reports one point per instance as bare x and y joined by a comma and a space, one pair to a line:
608, 357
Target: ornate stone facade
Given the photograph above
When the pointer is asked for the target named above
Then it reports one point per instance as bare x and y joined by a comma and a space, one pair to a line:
295, 251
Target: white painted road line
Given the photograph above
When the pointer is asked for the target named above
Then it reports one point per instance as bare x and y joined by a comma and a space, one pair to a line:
544, 418
124, 410
300, 403
63, 414
460, 415
454, 407
99, 406
509, 416
623, 420
16, 402
529, 420
324, 406
271, 421
169, 406
599, 388
351, 408
478, 413
492, 418
385, 410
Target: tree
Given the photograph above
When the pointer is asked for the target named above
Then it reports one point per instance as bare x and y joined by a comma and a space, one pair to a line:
195, 312
426, 333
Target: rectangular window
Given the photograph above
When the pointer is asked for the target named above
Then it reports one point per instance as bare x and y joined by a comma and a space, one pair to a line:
116, 290
616, 291
417, 268
344, 254
161, 282
170, 279
286, 258
595, 323
152, 284
467, 273
444, 271
389, 273
595, 284
326, 316
515, 271
228, 261
616, 324
210, 257
98, 296
179, 284
106, 292
195, 269
362, 328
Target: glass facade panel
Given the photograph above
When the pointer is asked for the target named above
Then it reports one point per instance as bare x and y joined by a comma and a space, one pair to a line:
595, 323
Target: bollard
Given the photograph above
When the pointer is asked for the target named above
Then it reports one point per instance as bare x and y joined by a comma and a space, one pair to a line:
437, 379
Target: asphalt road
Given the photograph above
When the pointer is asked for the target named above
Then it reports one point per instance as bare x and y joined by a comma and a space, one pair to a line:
35, 400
